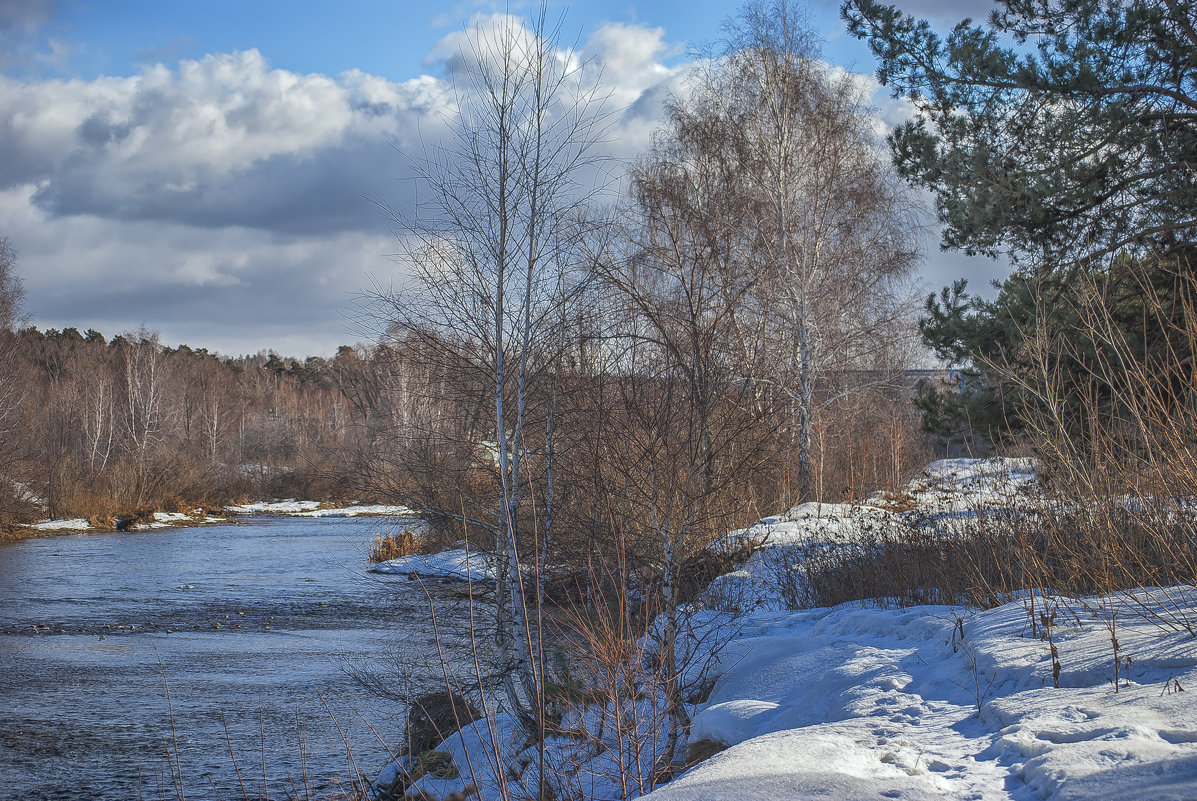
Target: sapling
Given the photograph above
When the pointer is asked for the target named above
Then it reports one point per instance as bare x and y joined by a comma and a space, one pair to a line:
1119, 660
959, 643
1049, 628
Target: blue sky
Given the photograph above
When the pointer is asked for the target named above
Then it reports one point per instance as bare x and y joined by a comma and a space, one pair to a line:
206, 169
388, 38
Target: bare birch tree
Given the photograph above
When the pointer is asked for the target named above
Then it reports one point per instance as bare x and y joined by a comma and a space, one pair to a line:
688, 448
10, 391
765, 237
141, 360
824, 229
492, 254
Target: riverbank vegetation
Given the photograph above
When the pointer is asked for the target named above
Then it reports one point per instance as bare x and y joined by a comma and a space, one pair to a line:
101, 428
628, 387
589, 383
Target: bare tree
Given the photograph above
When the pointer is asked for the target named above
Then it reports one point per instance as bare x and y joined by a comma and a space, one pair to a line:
686, 448
493, 257
10, 390
822, 229
764, 240
142, 371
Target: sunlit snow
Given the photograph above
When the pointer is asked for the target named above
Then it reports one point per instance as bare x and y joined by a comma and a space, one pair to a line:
924, 702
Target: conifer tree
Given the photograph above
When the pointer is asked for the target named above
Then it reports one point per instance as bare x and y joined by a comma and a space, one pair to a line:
1063, 134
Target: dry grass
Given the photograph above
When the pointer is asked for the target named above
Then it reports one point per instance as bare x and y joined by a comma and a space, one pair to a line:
10, 533
103, 522
1117, 440
1071, 549
394, 545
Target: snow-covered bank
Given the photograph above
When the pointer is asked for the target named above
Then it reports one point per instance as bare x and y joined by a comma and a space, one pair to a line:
74, 524
155, 520
948, 494
294, 508
199, 517
917, 703
934, 702
923, 702
453, 565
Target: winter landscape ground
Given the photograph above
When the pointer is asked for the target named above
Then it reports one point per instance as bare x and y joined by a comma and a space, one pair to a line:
861, 701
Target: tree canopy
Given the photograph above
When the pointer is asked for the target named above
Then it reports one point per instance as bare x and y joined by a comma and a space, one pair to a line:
1062, 133
1062, 130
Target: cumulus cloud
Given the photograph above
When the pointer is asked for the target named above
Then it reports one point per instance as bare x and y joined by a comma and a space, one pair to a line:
237, 290
229, 203
224, 140
227, 140
226, 195
632, 62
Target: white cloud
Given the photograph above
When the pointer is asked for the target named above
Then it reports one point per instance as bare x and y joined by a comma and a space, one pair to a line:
228, 204
230, 289
225, 202
169, 144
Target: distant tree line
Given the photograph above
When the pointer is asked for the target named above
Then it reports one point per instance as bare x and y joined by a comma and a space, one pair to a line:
96, 427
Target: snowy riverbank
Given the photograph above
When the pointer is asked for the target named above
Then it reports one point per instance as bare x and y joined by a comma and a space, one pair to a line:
200, 517
921, 702
294, 508
154, 520
457, 564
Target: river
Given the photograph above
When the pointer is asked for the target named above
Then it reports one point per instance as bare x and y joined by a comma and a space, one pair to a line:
248, 628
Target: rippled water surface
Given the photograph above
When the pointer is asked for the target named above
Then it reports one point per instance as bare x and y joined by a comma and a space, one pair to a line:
249, 627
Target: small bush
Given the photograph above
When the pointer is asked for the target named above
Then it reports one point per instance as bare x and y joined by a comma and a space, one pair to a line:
102, 522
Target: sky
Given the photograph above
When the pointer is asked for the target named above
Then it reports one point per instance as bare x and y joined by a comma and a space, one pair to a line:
213, 170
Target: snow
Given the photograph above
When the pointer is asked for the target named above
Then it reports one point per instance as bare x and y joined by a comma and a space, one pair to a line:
157, 520
357, 510
963, 487
176, 519
456, 565
295, 508
864, 703
871, 703
922, 702
76, 524
950, 492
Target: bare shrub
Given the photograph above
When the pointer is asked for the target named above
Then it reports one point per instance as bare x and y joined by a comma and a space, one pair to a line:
867, 436
1110, 412
1112, 417
617, 691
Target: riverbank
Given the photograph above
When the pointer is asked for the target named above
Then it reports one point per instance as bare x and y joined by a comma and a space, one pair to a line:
157, 520
142, 521
1046, 696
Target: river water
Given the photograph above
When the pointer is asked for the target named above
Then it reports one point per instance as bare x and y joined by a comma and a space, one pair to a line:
251, 630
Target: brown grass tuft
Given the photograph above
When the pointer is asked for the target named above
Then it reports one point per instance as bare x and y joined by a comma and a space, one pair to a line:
394, 545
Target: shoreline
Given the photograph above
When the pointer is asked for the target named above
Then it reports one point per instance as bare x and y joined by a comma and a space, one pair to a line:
159, 520
869, 698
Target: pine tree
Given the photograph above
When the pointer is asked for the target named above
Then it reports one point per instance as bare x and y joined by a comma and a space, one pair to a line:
1063, 134
1063, 131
